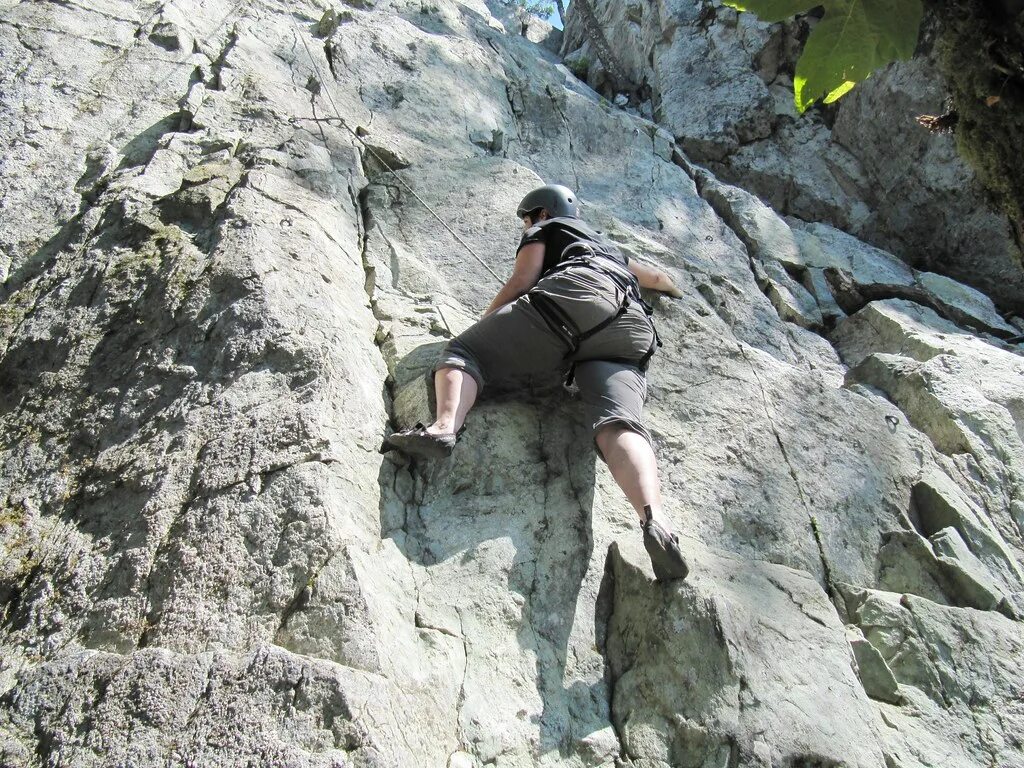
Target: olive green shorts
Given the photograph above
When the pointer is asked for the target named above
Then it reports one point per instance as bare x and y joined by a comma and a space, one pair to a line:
514, 346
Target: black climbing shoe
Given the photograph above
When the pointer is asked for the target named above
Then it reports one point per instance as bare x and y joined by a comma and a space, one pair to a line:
663, 548
418, 442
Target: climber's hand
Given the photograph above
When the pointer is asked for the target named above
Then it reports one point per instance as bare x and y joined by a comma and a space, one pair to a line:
656, 279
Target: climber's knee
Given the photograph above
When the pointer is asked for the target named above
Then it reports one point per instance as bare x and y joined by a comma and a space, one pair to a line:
609, 432
458, 356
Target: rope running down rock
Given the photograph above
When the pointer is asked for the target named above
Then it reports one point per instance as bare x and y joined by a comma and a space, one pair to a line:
381, 160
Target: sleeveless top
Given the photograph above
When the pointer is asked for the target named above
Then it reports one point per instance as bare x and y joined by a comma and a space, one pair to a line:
559, 233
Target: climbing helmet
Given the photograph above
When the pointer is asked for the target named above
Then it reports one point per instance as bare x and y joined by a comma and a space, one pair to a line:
556, 199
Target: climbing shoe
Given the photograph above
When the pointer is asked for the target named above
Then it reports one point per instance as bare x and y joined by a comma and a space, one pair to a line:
663, 548
416, 441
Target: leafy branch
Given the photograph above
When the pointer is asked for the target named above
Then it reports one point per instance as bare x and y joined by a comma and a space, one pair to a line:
854, 38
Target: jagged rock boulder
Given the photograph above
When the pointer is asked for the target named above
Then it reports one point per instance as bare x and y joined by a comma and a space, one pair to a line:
693, 668
966, 697
229, 279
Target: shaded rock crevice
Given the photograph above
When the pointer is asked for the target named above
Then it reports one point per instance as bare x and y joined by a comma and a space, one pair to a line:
65, 33
152, 607
366, 224
215, 80
554, 96
853, 298
303, 596
815, 532
604, 613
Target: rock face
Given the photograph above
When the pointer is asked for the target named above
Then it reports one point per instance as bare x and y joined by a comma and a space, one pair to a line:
721, 83
234, 238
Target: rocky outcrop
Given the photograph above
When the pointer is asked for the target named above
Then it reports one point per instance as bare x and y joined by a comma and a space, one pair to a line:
721, 83
243, 233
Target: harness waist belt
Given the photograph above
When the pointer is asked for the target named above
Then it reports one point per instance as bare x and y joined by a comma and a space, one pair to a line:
565, 328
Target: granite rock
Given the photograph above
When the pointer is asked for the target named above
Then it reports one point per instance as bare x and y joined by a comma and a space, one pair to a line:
234, 264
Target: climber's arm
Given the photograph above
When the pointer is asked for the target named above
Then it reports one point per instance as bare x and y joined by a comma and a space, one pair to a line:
525, 274
652, 277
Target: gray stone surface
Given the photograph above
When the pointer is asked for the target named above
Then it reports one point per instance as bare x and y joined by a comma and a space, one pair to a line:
845, 272
720, 102
876, 677
959, 671
926, 203
214, 307
734, 670
799, 170
267, 705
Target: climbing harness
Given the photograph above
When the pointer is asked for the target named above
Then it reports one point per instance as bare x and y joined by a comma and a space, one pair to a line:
377, 157
603, 259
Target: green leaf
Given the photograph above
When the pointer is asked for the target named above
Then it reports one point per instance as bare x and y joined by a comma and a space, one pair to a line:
895, 25
854, 38
773, 10
839, 50
837, 93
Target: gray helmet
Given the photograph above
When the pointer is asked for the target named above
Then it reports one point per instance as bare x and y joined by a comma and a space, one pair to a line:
554, 198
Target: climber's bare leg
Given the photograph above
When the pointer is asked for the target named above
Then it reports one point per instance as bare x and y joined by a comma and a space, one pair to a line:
631, 460
455, 394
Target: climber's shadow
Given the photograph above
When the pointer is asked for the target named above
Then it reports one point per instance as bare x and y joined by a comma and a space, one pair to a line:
503, 526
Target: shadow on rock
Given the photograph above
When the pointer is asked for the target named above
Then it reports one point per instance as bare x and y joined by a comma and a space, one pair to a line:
502, 533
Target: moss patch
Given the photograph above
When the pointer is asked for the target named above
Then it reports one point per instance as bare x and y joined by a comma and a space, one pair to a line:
13, 313
11, 516
168, 250
579, 66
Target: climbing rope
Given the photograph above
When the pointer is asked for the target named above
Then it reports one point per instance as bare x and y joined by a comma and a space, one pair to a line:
377, 157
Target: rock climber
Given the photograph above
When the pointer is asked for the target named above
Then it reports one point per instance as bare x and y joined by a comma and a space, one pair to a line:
573, 301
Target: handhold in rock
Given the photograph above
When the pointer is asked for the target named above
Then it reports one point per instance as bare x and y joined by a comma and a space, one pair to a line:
170, 37
876, 677
327, 25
